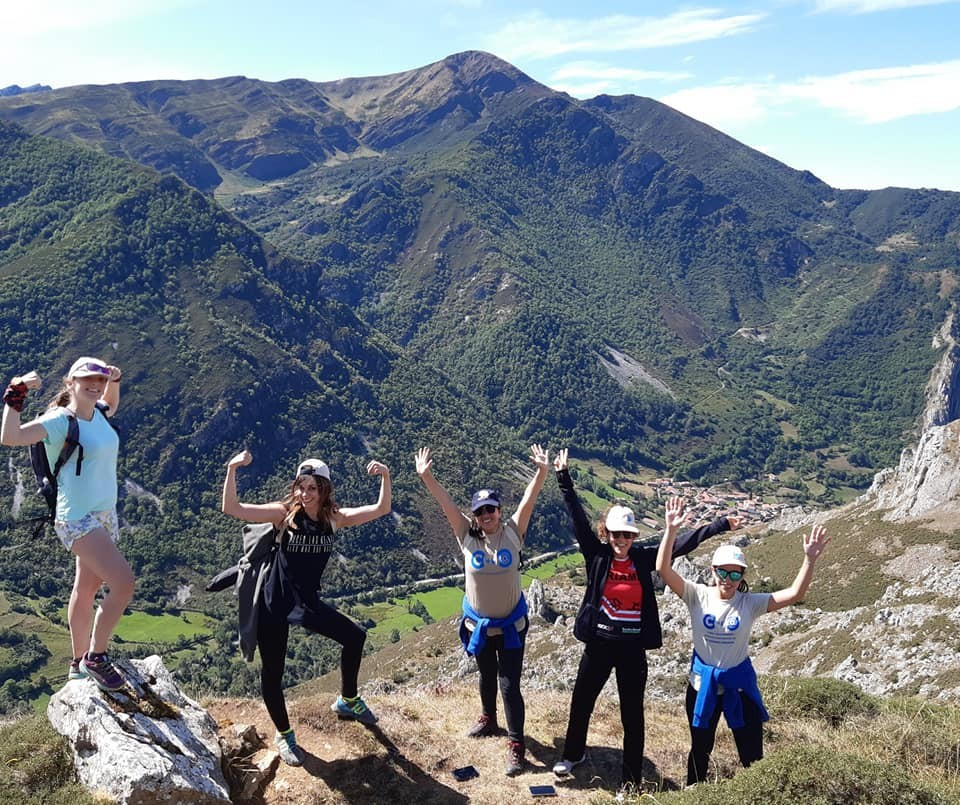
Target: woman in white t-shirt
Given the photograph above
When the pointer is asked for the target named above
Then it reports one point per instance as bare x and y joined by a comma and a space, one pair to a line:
86, 514
722, 617
494, 624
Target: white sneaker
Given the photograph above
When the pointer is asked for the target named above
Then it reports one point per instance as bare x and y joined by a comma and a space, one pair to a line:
563, 767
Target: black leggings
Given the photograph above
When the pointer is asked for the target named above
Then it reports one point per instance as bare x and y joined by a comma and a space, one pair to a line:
748, 738
272, 632
600, 657
505, 665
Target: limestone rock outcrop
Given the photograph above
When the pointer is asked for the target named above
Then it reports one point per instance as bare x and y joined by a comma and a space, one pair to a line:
927, 479
149, 744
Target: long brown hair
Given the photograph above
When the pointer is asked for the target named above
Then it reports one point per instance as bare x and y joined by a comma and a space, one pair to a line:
328, 506
62, 398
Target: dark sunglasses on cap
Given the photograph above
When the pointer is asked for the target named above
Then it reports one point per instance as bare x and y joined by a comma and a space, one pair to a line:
733, 575
91, 367
489, 508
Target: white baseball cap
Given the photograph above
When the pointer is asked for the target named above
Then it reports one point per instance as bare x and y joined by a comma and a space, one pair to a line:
314, 466
88, 367
620, 518
729, 555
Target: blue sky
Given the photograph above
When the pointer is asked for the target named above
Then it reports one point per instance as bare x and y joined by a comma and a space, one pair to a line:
863, 93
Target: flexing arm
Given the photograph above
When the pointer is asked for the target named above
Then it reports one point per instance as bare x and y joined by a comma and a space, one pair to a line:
674, 517
589, 544
813, 545
111, 394
459, 522
364, 514
249, 512
541, 458
12, 431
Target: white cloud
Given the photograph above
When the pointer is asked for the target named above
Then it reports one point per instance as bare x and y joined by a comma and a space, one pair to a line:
725, 106
605, 71
868, 96
536, 36
881, 95
586, 79
870, 6
41, 16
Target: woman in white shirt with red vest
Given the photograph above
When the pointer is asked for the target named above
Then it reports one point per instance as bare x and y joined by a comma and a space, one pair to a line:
722, 616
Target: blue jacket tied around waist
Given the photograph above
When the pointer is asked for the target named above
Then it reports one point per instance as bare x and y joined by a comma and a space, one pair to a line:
511, 639
740, 677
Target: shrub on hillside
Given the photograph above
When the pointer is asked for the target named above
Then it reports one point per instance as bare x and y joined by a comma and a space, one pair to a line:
923, 734
36, 767
812, 777
832, 700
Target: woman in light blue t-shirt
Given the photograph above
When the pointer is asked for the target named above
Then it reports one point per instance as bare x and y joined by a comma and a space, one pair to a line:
86, 514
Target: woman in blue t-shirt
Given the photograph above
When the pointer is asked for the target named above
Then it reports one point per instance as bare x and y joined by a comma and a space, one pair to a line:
722, 679
86, 514
306, 521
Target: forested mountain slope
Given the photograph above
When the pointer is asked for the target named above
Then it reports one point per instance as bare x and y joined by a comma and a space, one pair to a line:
458, 255
225, 344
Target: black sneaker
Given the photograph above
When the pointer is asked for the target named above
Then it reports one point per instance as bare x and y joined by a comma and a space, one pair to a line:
515, 757
486, 725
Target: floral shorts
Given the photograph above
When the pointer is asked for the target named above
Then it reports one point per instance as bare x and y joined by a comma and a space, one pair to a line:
72, 530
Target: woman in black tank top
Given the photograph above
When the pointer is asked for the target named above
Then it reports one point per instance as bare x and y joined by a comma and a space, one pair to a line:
306, 521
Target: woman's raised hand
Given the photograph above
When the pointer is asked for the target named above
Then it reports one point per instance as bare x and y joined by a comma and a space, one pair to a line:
674, 515
31, 380
734, 521
424, 462
377, 468
815, 542
240, 459
560, 460
540, 457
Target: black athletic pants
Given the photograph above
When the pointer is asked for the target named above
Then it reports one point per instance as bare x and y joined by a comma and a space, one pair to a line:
503, 665
272, 633
749, 738
600, 657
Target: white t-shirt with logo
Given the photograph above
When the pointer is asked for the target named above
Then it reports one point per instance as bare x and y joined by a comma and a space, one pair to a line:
721, 629
492, 573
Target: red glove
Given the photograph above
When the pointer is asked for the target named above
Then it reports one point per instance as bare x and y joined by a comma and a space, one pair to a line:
15, 396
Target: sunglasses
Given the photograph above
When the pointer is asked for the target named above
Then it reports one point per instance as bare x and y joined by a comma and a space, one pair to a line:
724, 574
621, 535
92, 367
489, 508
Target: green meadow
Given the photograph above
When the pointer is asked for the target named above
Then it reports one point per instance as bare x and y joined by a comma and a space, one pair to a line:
443, 602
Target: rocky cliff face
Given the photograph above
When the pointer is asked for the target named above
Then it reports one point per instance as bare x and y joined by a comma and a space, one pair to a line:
927, 479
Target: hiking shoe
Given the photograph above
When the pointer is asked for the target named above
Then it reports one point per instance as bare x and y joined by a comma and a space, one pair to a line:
99, 668
74, 672
355, 708
515, 757
290, 753
486, 725
563, 767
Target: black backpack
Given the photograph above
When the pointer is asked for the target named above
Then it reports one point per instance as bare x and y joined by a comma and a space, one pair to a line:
46, 477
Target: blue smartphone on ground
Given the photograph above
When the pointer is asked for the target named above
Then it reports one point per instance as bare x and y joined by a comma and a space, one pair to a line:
543, 791
465, 773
